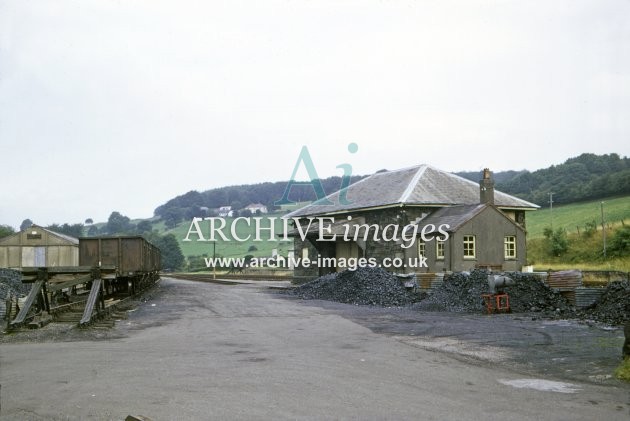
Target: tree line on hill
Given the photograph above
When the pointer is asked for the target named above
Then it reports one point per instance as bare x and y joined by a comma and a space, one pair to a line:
190, 204
585, 177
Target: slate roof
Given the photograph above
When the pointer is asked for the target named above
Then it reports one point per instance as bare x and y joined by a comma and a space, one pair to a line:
414, 186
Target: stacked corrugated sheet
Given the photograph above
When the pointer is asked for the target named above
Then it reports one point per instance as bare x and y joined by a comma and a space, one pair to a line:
429, 281
565, 280
585, 297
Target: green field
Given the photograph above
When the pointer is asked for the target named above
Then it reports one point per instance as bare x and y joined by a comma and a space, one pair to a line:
232, 248
575, 215
583, 252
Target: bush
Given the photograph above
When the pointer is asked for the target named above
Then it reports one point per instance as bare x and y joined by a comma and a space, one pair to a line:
557, 242
620, 243
590, 228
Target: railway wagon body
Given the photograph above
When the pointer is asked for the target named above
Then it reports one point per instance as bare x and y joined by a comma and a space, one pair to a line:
136, 261
109, 267
131, 255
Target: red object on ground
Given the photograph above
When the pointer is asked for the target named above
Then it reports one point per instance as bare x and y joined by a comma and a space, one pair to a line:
496, 303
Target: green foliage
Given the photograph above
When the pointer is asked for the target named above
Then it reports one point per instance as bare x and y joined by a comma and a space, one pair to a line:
578, 214
590, 228
144, 226
189, 205
623, 371
620, 242
118, 224
557, 242
73, 230
172, 256
25, 224
252, 248
582, 253
6, 230
585, 177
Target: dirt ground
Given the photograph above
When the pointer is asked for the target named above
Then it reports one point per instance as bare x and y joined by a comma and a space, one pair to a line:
567, 349
191, 350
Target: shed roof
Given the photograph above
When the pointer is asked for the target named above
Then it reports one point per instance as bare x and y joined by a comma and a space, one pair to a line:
456, 216
453, 216
64, 237
68, 238
413, 186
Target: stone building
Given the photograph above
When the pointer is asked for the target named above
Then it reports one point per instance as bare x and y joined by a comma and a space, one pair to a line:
483, 227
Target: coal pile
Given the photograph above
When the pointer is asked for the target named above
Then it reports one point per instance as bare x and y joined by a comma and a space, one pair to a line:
529, 293
11, 284
363, 286
462, 291
613, 307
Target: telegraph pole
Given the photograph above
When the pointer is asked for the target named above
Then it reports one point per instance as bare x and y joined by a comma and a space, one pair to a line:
551, 209
603, 228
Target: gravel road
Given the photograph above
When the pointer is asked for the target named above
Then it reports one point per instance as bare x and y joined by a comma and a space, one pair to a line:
206, 351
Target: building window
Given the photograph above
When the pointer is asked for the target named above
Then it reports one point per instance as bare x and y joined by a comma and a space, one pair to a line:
509, 246
439, 249
469, 246
305, 253
422, 251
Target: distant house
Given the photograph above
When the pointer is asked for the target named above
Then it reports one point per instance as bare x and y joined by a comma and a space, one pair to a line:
225, 212
256, 208
486, 228
37, 246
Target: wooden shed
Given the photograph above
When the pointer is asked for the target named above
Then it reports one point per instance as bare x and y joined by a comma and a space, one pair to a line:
37, 246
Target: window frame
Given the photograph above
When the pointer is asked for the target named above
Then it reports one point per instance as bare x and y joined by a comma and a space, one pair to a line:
469, 244
506, 248
440, 246
422, 249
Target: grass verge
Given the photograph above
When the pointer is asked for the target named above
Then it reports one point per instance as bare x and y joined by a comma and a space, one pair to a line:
623, 371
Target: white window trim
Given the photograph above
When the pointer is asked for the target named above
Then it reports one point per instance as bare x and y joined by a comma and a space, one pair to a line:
437, 245
505, 247
422, 246
474, 247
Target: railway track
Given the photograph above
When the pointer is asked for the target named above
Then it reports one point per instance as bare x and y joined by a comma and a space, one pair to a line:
86, 310
228, 279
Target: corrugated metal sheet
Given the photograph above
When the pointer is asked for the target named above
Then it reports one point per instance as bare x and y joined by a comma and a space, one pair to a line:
429, 281
584, 297
565, 279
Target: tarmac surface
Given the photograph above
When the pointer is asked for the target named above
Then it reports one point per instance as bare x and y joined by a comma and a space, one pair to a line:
193, 350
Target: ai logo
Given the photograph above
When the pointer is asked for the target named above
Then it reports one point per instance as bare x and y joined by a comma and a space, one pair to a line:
305, 157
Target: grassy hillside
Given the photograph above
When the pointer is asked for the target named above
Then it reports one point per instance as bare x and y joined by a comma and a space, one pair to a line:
231, 248
585, 250
575, 215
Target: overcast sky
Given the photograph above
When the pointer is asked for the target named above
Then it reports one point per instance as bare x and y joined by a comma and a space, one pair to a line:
122, 105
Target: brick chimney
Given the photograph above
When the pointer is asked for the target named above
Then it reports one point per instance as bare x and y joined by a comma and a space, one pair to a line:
486, 188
